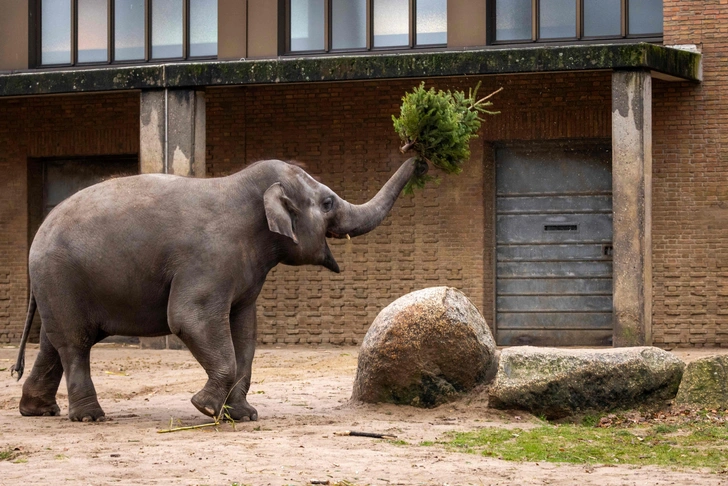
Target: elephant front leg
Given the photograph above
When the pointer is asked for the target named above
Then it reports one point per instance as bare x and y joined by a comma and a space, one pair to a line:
205, 330
243, 327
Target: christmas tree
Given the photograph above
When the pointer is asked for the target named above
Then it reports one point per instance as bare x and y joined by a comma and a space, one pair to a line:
438, 126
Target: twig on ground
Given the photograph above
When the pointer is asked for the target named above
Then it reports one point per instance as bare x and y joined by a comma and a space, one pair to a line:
373, 435
191, 427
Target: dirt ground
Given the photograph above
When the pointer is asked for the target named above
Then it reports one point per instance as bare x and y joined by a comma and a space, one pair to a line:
302, 397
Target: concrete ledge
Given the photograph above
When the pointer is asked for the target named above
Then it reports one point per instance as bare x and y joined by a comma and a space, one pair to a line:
670, 62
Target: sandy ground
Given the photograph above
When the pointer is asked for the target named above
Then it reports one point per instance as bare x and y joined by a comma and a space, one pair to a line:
302, 396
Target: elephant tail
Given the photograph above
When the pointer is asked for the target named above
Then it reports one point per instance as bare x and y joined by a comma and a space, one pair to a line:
19, 365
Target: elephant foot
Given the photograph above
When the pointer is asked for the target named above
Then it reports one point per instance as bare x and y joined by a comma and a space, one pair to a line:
241, 409
38, 407
206, 403
90, 412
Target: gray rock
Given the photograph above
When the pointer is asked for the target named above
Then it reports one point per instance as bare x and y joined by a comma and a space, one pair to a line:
705, 383
424, 349
558, 382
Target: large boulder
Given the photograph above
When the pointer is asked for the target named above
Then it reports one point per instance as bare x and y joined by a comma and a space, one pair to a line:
556, 382
424, 349
705, 383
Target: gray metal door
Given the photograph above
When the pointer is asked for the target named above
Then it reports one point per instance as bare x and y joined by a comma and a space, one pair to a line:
554, 245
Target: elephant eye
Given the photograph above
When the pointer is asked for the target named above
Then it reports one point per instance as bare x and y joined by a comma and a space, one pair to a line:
327, 204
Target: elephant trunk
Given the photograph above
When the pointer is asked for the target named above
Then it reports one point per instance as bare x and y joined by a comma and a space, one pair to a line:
355, 220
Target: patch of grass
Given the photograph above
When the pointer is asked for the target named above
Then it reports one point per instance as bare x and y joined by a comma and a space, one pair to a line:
427, 443
665, 429
690, 446
590, 420
398, 442
7, 454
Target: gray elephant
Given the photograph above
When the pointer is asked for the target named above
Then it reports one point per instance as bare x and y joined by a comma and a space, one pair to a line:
153, 254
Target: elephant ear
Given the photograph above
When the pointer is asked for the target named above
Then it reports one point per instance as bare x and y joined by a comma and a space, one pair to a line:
280, 211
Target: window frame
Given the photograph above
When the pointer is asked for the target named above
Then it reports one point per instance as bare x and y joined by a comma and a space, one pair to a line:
580, 38
37, 49
369, 33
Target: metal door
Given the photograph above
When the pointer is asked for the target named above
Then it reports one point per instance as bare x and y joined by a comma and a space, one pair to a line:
554, 245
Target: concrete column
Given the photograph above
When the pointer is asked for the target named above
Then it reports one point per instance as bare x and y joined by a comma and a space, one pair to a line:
171, 141
632, 206
172, 132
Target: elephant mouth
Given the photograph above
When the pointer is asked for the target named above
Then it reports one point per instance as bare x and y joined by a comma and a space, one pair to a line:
329, 261
331, 234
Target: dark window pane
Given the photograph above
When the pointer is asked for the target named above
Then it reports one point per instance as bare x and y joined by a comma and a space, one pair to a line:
431, 22
93, 26
166, 29
348, 24
391, 23
513, 20
128, 30
557, 19
55, 32
602, 17
307, 25
203, 27
645, 16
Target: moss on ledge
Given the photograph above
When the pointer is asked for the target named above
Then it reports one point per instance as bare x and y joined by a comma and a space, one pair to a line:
672, 62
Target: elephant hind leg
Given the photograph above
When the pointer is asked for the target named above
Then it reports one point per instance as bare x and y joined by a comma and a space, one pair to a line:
39, 390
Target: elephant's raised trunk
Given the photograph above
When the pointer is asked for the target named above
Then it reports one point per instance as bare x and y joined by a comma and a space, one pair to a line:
355, 220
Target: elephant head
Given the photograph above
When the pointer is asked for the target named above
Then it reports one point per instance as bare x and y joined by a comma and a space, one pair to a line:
306, 212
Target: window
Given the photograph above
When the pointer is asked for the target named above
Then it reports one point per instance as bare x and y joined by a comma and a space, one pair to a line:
351, 25
73, 32
549, 20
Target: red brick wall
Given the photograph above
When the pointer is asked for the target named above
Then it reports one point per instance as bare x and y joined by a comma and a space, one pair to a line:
48, 127
443, 236
690, 185
343, 133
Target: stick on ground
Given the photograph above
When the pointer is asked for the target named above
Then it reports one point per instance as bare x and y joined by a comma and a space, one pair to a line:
373, 435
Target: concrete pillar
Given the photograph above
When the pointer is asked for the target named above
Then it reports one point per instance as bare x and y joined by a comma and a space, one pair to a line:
632, 206
171, 141
172, 132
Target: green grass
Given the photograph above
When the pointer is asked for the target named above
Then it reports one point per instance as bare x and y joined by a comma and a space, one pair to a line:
687, 445
6, 454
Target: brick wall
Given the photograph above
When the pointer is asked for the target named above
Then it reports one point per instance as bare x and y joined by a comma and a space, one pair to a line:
444, 235
690, 185
344, 135
51, 126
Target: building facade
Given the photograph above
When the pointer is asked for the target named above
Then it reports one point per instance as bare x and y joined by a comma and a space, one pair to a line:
593, 210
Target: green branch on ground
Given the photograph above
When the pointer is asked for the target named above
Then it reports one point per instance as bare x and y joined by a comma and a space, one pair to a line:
437, 126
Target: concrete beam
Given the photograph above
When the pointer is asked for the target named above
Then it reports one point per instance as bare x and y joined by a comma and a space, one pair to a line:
632, 206
171, 141
674, 63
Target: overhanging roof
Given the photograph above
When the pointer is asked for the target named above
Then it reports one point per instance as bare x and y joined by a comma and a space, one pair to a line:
665, 62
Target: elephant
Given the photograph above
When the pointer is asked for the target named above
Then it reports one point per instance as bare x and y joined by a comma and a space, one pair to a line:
156, 254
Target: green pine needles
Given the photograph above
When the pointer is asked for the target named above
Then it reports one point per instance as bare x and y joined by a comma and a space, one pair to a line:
438, 126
